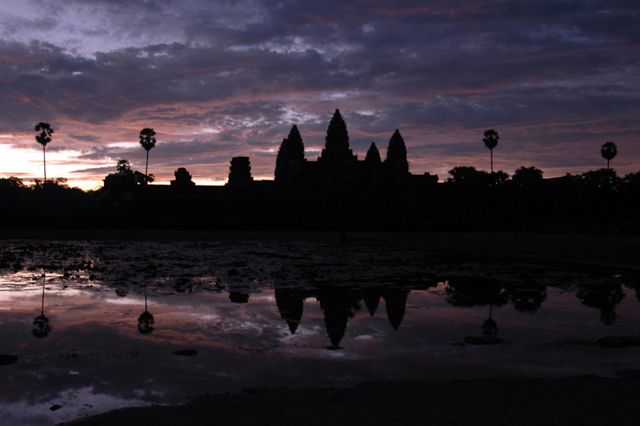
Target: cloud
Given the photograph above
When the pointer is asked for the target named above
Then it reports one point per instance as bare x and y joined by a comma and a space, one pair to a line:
230, 78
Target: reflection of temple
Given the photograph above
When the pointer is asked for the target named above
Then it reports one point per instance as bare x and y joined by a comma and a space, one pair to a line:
290, 305
395, 303
341, 303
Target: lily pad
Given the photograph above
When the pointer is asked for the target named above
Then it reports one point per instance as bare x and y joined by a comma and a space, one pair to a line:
483, 340
619, 341
8, 359
186, 352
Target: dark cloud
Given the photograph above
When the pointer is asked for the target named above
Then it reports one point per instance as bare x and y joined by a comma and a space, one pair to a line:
230, 78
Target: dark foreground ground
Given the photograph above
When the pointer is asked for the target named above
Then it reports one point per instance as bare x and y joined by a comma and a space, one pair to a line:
571, 401
586, 248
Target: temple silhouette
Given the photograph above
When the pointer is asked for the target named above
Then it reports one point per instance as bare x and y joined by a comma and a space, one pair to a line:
336, 190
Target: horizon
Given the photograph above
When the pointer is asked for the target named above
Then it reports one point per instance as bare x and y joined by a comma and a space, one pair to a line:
220, 80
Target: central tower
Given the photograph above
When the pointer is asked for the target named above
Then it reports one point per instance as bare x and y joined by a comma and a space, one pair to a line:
337, 149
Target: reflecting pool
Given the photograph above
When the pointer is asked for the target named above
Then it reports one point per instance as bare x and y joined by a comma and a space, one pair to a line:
91, 326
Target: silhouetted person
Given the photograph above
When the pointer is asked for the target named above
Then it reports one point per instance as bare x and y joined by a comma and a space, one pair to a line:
43, 328
145, 320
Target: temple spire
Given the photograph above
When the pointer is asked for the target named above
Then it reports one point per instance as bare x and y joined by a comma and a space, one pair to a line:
373, 155
290, 159
336, 148
397, 154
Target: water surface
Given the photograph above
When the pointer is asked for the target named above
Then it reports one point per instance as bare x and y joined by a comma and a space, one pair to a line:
97, 325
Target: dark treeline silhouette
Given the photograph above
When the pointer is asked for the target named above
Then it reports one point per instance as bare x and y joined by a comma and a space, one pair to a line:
336, 191
50, 204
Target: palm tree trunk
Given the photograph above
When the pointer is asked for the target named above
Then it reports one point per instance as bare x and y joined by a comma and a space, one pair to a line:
44, 158
146, 169
491, 160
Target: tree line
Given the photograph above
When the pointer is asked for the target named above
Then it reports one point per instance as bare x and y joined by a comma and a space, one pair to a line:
468, 198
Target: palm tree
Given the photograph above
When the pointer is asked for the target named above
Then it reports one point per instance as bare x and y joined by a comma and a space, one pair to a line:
123, 166
148, 141
43, 138
490, 140
609, 150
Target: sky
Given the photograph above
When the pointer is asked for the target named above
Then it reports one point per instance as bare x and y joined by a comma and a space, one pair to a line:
218, 79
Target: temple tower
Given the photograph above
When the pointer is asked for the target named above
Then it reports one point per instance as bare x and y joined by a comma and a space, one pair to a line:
290, 160
240, 172
336, 148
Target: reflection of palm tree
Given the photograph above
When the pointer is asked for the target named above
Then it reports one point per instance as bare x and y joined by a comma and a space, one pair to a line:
145, 321
490, 326
43, 328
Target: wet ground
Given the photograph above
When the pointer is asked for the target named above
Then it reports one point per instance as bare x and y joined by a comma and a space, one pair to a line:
88, 326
